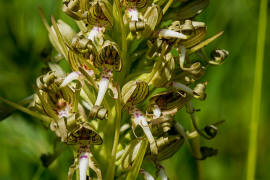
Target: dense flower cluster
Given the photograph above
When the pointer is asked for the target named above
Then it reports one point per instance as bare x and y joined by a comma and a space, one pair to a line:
134, 65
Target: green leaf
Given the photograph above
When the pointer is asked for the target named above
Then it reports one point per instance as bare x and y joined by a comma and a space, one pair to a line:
133, 173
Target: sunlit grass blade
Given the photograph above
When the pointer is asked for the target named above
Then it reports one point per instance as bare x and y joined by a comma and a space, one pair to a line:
257, 88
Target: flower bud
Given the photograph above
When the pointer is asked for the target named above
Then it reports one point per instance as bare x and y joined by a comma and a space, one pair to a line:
66, 31
109, 57
187, 28
171, 101
197, 36
134, 92
152, 18
168, 146
100, 13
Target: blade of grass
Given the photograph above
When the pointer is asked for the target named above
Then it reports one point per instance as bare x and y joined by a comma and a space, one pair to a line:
257, 87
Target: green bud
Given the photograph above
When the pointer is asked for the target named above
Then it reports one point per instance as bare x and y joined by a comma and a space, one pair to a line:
197, 30
170, 102
109, 56
66, 31
168, 146
152, 18
134, 92
100, 13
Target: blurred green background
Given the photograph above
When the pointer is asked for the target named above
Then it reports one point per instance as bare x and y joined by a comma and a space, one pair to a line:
24, 46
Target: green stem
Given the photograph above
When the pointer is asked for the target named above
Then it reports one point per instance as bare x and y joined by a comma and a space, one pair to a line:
126, 66
38, 172
197, 153
195, 141
27, 111
257, 88
111, 165
122, 26
6, 110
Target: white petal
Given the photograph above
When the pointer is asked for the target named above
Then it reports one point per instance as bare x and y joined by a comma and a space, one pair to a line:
133, 14
66, 31
182, 56
146, 175
119, 154
157, 112
72, 76
103, 86
166, 33
198, 24
64, 112
83, 165
162, 174
136, 150
95, 32
90, 72
140, 119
